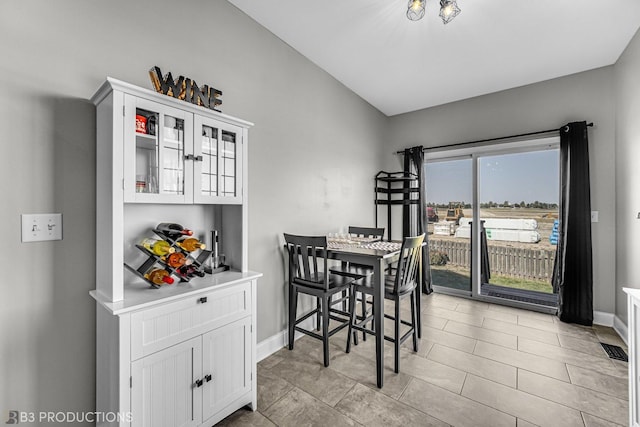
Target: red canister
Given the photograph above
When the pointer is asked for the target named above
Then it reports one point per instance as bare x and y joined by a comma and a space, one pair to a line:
141, 124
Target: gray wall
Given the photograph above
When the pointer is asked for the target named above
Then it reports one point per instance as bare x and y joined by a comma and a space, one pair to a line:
627, 90
546, 105
313, 151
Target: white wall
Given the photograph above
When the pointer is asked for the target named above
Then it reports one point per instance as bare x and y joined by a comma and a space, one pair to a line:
313, 151
546, 105
627, 90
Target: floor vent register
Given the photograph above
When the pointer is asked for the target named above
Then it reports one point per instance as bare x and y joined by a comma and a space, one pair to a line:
615, 352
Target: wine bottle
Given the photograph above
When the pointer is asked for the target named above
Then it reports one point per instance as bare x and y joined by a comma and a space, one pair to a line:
190, 270
175, 260
191, 244
159, 276
174, 230
158, 247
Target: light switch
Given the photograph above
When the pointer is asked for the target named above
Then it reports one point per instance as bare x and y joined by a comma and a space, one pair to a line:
41, 227
594, 216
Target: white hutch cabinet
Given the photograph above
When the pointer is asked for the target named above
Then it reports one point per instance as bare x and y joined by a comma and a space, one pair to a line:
633, 340
183, 354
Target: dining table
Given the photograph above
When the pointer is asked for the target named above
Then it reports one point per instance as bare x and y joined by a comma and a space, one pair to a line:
378, 254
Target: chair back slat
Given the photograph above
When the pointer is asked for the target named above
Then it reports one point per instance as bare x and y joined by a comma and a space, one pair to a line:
367, 231
307, 260
409, 263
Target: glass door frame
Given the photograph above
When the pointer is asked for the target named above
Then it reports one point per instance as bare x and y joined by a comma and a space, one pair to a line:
132, 103
476, 152
220, 197
429, 157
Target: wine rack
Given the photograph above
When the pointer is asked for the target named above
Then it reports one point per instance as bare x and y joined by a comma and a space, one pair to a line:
197, 262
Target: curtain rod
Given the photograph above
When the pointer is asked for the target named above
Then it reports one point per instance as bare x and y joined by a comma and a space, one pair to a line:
462, 144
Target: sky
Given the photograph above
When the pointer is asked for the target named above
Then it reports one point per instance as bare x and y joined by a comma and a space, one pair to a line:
509, 177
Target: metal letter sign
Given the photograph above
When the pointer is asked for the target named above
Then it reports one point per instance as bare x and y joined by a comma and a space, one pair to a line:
185, 89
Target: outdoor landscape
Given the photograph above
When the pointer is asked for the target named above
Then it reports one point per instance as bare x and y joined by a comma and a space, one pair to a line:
513, 264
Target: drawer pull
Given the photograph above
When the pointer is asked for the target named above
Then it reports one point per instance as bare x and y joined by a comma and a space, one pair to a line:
199, 383
203, 300
208, 377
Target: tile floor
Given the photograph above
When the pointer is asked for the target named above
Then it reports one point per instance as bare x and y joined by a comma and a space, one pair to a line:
478, 365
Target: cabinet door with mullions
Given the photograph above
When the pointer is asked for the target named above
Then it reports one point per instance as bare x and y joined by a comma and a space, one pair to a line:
158, 142
218, 164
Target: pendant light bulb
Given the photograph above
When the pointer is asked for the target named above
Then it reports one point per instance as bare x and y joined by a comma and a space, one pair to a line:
448, 10
415, 9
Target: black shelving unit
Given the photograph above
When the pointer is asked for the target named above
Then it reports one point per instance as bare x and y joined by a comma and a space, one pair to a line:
395, 188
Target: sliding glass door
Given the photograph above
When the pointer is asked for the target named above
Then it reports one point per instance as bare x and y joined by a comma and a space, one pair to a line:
518, 194
511, 190
449, 212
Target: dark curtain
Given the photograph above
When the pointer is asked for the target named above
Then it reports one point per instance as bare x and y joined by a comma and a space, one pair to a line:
414, 163
572, 271
485, 271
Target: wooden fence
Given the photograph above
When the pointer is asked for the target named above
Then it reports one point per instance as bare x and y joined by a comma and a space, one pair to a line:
523, 263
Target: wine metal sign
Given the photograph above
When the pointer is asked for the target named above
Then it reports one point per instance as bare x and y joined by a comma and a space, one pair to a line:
186, 89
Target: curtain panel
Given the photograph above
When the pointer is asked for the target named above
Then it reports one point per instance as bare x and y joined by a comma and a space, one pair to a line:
573, 270
414, 163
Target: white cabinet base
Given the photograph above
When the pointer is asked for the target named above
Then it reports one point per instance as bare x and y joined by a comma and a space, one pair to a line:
202, 374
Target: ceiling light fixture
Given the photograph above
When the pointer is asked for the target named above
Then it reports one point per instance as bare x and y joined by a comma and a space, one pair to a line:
448, 10
415, 10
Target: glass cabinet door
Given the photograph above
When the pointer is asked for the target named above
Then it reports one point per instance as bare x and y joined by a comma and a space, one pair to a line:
218, 166
157, 151
228, 174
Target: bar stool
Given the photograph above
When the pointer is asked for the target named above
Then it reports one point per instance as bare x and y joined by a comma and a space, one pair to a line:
360, 271
397, 287
308, 275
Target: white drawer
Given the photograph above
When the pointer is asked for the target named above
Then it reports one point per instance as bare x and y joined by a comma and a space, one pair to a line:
159, 327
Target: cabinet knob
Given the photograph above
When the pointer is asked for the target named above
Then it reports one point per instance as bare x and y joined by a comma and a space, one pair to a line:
202, 300
208, 377
199, 383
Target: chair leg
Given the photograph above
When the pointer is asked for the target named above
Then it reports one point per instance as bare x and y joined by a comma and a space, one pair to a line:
364, 313
418, 298
414, 322
352, 319
318, 307
293, 307
352, 313
396, 343
325, 329
344, 301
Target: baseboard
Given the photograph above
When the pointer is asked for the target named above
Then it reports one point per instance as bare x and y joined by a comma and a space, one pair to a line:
270, 345
275, 342
611, 320
603, 318
621, 328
